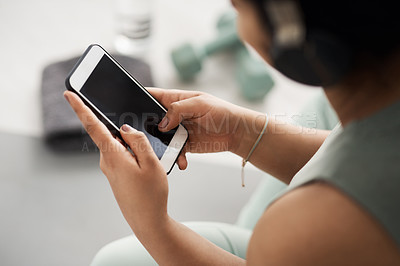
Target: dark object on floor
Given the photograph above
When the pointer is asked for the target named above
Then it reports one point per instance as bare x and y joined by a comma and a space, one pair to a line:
62, 129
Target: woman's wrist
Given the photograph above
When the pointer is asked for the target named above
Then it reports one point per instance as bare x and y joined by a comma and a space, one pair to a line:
248, 129
145, 228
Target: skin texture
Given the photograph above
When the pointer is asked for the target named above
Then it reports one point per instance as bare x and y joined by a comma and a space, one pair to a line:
215, 125
312, 225
333, 230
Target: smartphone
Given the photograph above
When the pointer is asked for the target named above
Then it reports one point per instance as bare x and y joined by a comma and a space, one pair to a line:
117, 98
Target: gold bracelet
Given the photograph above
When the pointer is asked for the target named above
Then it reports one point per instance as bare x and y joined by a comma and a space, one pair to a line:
244, 161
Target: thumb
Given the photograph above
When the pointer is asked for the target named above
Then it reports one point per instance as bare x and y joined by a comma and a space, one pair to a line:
139, 145
181, 110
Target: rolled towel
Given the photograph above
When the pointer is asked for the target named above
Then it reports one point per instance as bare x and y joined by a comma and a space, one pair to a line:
62, 129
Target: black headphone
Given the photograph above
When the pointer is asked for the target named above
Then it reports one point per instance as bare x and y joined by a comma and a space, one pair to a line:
313, 57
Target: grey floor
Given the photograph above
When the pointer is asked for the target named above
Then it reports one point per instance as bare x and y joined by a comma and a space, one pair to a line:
58, 209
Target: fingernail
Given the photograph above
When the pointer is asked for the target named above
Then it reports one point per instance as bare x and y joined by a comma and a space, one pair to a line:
66, 97
127, 128
164, 122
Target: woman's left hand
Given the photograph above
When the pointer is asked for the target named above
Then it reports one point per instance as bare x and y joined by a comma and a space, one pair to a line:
139, 181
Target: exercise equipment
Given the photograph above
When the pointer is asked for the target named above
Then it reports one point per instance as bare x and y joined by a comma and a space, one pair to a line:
188, 58
251, 74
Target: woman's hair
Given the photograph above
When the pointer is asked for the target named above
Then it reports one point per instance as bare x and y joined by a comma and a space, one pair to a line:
368, 27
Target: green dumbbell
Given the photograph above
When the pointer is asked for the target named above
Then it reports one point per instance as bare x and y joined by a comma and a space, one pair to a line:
188, 59
252, 76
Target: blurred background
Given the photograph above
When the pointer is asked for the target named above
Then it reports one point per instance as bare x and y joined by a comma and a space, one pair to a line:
56, 208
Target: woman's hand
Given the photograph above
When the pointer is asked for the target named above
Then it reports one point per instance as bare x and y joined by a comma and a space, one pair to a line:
140, 186
139, 182
214, 125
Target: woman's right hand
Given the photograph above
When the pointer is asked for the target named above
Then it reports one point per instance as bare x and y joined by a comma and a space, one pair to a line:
214, 125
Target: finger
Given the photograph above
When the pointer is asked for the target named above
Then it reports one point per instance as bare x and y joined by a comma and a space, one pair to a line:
166, 96
94, 127
181, 110
120, 141
182, 161
139, 145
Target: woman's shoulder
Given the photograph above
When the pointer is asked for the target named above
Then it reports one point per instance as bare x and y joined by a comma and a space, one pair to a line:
362, 161
317, 224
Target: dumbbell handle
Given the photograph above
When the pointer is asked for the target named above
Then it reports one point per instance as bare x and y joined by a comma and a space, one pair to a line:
226, 40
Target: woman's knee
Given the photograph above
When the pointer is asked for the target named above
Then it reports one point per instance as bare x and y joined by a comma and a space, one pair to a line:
129, 250
125, 251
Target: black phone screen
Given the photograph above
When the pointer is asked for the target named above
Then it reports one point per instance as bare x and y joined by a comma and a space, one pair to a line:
123, 101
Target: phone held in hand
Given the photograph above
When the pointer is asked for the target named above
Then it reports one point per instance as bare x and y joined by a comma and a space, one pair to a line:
117, 98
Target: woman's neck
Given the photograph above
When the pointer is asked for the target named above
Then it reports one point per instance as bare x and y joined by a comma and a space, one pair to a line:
366, 92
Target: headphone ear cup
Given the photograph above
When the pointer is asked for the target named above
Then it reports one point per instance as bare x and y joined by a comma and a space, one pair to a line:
295, 65
322, 60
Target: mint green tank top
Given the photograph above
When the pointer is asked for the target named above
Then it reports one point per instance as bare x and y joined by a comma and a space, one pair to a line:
363, 160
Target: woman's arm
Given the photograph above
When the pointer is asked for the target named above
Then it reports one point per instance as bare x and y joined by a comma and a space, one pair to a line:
176, 244
215, 125
283, 150
140, 186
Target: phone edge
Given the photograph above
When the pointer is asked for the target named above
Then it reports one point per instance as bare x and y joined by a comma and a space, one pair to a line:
110, 127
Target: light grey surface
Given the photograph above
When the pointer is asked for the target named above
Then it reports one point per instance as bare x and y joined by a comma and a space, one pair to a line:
58, 209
